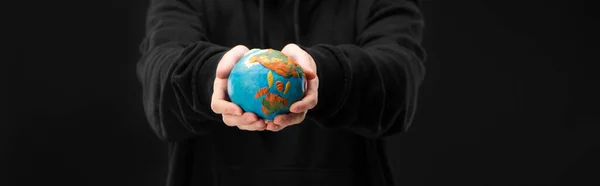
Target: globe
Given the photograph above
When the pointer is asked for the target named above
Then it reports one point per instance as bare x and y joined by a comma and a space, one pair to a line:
266, 82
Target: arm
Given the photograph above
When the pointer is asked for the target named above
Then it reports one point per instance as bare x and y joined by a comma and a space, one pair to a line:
177, 70
371, 87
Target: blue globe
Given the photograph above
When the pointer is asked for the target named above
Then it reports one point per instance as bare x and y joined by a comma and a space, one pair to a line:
266, 82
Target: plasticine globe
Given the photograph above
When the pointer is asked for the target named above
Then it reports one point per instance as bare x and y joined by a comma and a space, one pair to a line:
266, 82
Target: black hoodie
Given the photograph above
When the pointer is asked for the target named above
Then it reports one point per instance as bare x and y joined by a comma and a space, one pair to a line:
370, 66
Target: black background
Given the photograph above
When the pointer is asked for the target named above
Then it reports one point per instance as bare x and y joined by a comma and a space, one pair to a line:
508, 98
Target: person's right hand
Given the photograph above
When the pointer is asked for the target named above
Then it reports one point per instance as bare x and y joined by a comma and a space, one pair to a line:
232, 114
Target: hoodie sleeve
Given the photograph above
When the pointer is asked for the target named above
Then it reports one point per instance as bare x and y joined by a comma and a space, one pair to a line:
176, 70
371, 87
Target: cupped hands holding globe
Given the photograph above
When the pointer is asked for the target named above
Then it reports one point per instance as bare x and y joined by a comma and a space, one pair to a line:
279, 98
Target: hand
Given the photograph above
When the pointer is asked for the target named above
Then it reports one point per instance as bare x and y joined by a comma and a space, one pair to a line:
231, 113
298, 109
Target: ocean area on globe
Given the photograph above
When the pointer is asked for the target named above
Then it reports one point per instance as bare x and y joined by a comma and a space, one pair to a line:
266, 82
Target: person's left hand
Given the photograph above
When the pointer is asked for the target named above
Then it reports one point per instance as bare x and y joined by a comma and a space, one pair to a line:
298, 109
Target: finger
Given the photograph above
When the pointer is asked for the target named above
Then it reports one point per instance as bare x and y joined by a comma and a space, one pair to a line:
218, 103
226, 107
244, 119
219, 89
289, 119
310, 75
273, 127
229, 59
258, 125
309, 101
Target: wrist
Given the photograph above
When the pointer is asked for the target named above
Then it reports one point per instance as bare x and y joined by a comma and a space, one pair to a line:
333, 82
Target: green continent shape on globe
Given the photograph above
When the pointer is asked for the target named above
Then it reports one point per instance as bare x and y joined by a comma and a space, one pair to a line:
270, 106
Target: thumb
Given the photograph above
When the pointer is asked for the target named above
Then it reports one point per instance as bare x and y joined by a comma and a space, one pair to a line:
229, 59
309, 73
301, 58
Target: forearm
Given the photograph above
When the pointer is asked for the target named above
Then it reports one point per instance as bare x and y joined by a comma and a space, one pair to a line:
368, 94
175, 83
370, 87
176, 69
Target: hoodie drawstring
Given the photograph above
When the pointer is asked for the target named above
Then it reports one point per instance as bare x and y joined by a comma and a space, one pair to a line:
261, 9
261, 17
296, 26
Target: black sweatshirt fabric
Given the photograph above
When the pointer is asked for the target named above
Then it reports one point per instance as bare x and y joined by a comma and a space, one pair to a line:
369, 62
